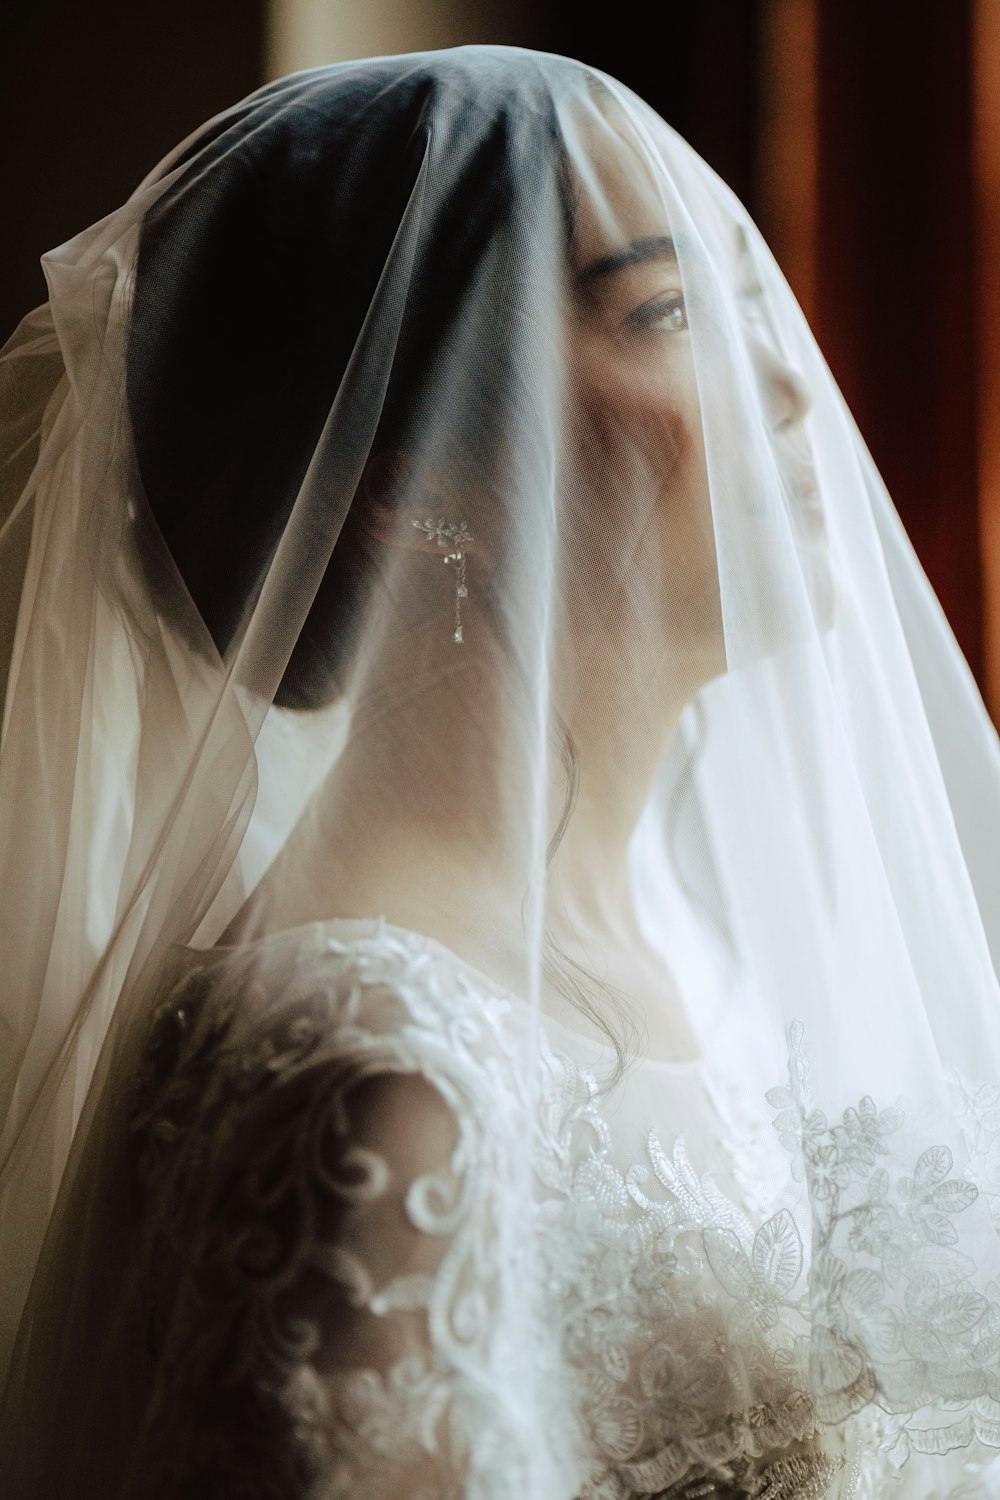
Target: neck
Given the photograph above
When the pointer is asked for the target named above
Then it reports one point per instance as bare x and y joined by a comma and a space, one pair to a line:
424, 815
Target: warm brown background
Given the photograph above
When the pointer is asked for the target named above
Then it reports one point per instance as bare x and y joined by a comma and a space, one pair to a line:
864, 136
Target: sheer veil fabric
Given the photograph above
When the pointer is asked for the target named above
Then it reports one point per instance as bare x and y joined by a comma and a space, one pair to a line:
450, 618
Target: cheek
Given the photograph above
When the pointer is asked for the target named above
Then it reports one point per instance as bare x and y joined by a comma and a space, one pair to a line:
634, 419
639, 447
641, 477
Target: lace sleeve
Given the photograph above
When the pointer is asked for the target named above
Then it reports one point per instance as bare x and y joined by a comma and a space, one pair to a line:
330, 1307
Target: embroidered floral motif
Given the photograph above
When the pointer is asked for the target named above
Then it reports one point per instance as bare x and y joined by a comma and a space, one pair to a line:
977, 1109
664, 1293
628, 1329
247, 1166
895, 1315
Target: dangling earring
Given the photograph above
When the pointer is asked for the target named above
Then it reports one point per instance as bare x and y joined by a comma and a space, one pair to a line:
452, 535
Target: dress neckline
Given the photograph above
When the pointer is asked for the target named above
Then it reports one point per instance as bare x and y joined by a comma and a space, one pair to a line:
361, 927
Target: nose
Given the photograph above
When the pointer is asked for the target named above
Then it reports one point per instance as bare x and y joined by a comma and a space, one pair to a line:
786, 395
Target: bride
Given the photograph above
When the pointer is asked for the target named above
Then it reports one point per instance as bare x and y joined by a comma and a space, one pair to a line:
499, 889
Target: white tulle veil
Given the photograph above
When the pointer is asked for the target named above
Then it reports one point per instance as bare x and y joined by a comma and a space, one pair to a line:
473, 344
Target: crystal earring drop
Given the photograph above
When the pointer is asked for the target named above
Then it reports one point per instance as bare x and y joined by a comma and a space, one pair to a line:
452, 537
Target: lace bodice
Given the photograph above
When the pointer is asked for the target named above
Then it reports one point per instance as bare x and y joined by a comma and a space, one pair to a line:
394, 1249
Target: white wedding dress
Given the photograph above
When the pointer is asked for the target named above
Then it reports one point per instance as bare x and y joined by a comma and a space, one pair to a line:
349, 1294
424, 495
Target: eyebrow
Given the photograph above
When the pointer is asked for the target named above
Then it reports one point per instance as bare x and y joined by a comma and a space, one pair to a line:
653, 247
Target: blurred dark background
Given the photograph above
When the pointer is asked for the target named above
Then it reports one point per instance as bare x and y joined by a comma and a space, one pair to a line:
863, 135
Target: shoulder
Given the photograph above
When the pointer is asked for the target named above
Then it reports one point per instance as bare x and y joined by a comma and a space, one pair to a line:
380, 1035
377, 987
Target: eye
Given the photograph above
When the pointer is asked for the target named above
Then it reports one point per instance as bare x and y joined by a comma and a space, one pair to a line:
667, 314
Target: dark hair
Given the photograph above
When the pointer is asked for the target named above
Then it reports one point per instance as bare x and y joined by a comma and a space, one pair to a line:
254, 275
255, 271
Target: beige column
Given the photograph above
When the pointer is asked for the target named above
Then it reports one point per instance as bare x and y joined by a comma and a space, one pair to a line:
309, 33
788, 150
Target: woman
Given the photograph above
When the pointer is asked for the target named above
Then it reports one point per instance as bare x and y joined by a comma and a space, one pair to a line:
498, 840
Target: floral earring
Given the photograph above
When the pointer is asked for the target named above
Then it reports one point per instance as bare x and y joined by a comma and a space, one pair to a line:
451, 535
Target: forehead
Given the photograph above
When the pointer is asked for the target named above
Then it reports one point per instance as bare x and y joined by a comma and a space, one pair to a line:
623, 194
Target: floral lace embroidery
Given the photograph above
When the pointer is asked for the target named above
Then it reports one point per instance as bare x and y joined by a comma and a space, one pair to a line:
895, 1315
977, 1109
659, 1340
760, 1177
245, 1166
675, 1385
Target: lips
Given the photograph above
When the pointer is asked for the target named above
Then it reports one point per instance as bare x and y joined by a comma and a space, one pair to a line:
804, 484
812, 521
807, 509
809, 519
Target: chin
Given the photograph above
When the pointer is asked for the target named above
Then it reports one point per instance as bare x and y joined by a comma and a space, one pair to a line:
824, 586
